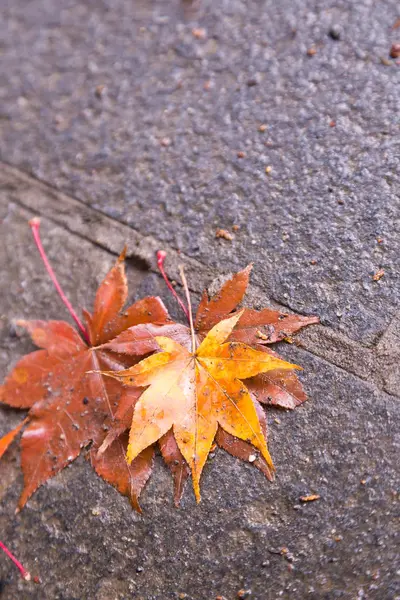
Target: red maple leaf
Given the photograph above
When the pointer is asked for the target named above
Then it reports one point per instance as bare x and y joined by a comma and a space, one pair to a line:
70, 407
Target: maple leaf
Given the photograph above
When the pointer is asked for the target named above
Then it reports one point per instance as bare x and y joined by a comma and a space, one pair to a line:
70, 407
194, 392
277, 387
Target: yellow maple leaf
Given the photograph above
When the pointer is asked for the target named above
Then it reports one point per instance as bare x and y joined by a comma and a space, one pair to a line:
194, 392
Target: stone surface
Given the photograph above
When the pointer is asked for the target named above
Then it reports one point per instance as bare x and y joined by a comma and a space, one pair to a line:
85, 541
157, 148
120, 104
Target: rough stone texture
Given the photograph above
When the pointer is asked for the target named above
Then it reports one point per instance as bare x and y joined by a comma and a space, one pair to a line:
86, 542
156, 150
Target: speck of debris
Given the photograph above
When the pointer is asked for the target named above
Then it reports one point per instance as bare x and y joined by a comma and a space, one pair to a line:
252, 82
241, 154
199, 33
395, 51
385, 61
309, 498
262, 127
378, 275
313, 262
262, 335
311, 51
335, 32
338, 538
224, 234
139, 569
268, 170
379, 240
252, 458
332, 124
207, 85
235, 227
165, 142
100, 91
95, 512
277, 421
244, 594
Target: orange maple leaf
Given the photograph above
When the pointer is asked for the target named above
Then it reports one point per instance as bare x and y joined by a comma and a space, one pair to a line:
278, 387
194, 392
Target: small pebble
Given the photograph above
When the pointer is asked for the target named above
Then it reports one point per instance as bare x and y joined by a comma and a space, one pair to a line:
268, 170
262, 128
335, 32
311, 51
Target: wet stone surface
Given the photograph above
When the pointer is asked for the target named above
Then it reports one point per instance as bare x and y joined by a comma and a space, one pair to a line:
84, 540
141, 108
123, 106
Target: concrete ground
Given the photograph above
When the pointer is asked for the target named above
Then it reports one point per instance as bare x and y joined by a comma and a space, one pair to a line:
139, 122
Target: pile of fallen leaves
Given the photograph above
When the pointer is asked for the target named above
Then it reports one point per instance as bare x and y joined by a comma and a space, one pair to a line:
132, 379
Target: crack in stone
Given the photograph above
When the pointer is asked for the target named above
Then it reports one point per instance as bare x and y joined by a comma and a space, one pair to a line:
368, 364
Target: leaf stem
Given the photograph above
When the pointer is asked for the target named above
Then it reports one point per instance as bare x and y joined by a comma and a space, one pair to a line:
161, 256
35, 225
24, 573
187, 294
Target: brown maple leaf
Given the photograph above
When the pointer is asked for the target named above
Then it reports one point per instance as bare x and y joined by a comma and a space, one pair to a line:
70, 407
277, 387
195, 392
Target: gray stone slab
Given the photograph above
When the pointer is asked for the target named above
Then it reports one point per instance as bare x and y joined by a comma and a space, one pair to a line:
86, 543
155, 149
91, 225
